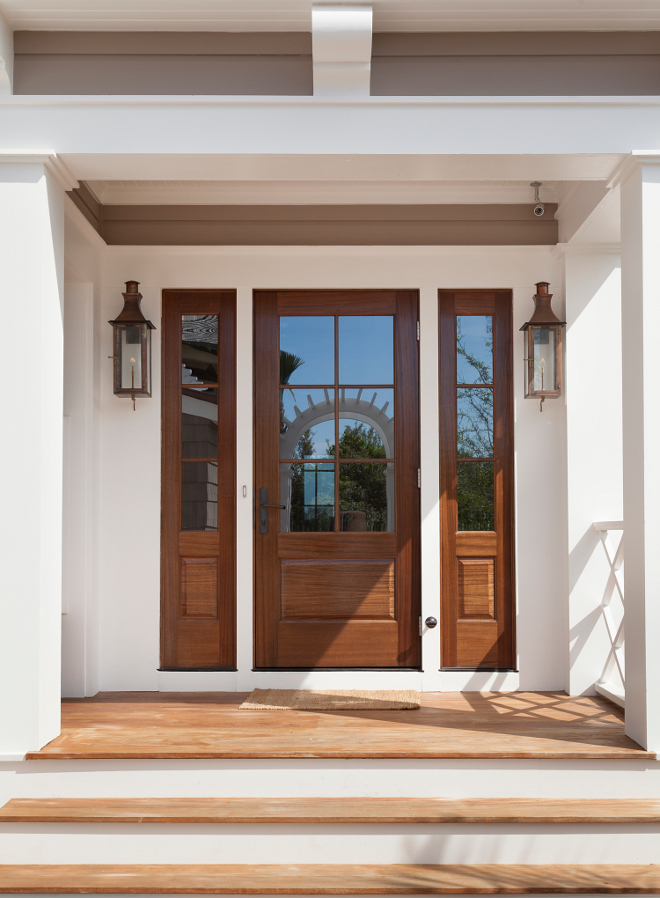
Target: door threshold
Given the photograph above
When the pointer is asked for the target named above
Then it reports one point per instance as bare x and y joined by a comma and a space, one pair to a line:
335, 669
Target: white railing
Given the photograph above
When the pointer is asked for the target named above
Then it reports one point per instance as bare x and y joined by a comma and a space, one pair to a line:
612, 681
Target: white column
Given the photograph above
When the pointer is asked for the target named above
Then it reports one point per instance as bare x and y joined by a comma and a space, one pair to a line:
640, 274
31, 288
594, 448
6, 57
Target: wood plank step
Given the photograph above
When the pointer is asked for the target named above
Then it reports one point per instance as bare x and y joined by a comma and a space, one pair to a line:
329, 810
332, 879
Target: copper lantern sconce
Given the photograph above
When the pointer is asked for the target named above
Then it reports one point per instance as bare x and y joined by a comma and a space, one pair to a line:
131, 334
543, 349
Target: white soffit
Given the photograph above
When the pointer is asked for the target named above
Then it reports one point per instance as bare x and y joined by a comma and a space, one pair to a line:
295, 15
318, 193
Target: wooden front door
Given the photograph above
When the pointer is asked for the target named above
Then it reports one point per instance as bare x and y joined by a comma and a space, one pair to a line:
198, 513
476, 477
336, 476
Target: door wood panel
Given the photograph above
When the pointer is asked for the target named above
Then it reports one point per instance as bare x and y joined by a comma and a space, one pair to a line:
337, 598
198, 568
477, 587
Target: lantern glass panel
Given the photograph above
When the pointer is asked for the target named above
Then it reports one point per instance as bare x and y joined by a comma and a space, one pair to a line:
545, 358
130, 357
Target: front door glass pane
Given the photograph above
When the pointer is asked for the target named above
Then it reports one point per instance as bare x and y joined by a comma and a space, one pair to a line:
308, 493
199, 349
366, 349
366, 497
307, 349
474, 349
374, 409
307, 423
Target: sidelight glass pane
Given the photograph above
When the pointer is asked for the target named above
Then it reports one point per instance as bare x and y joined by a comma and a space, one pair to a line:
307, 423
366, 423
199, 495
199, 423
545, 353
474, 349
308, 492
366, 497
307, 349
474, 422
476, 495
199, 349
366, 349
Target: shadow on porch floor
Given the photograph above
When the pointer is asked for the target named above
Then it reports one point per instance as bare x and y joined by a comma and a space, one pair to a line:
448, 725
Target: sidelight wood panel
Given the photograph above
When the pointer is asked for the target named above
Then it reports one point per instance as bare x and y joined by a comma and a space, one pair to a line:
345, 594
476, 478
198, 497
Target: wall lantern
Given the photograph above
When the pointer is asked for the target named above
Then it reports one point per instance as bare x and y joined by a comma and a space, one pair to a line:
132, 347
543, 350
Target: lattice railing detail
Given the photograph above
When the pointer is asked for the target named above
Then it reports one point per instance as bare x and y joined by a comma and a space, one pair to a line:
612, 681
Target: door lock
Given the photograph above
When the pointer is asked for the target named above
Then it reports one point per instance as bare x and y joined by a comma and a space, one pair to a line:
263, 514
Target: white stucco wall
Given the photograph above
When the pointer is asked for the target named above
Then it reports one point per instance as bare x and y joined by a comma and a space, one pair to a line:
124, 585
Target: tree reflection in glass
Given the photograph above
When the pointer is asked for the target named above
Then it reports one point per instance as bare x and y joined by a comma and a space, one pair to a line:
474, 422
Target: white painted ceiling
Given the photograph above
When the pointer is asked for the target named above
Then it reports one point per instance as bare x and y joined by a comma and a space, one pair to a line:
295, 15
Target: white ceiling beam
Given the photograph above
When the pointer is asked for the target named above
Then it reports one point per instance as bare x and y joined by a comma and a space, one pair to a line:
6, 57
341, 50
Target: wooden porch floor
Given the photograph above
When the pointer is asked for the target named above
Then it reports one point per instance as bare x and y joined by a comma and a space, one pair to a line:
448, 725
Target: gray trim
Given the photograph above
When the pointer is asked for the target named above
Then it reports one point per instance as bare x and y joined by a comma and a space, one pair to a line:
372, 225
516, 43
158, 43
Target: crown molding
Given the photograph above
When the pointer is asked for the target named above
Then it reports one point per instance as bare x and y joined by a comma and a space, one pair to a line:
51, 162
631, 164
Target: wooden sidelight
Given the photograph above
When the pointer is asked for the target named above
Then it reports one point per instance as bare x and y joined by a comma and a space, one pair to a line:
198, 513
476, 479
336, 476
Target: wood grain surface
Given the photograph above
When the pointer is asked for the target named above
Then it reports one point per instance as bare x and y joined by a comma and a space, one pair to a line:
333, 879
331, 810
447, 725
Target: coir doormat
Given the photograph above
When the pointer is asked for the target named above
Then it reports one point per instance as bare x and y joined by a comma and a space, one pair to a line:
331, 700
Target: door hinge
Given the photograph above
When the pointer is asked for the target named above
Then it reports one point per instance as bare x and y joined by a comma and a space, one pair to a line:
419, 478
418, 330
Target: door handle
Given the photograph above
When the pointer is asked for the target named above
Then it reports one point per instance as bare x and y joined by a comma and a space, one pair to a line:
264, 504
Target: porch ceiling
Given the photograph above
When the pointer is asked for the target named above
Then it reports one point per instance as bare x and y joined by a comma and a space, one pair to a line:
295, 15
310, 192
